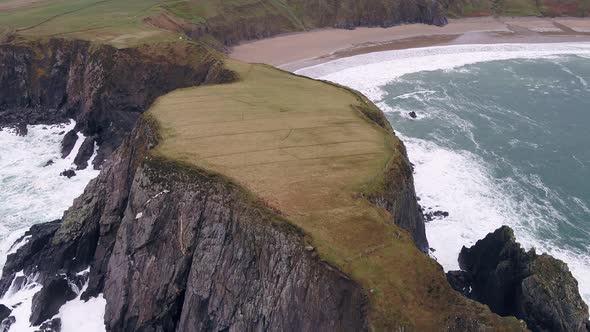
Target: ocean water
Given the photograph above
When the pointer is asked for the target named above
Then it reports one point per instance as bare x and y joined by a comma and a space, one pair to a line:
32, 193
502, 137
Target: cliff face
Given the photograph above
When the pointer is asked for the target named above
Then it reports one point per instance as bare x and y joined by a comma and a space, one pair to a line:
397, 194
281, 284
233, 22
212, 260
536, 288
176, 249
102, 88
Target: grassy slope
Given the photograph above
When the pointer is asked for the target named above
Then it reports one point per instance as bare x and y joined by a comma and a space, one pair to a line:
121, 23
303, 148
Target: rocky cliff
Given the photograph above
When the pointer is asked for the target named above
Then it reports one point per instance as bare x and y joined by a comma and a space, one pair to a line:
102, 88
233, 22
175, 247
536, 288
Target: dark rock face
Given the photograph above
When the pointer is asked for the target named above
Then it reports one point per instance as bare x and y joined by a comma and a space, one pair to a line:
399, 198
30, 254
103, 88
225, 273
68, 142
172, 248
536, 288
69, 173
86, 151
4, 312
49, 299
21, 129
6, 323
300, 15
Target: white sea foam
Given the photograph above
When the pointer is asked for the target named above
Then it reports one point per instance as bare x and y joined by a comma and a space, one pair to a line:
32, 192
19, 298
369, 72
76, 315
458, 181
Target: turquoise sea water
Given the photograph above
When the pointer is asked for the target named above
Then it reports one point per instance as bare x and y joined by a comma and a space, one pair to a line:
515, 137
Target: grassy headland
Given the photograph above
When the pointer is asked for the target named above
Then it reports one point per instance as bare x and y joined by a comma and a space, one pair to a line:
305, 149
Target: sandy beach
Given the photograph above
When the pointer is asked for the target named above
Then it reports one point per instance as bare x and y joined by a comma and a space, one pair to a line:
299, 50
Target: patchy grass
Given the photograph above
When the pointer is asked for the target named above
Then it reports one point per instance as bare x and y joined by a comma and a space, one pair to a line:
307, 150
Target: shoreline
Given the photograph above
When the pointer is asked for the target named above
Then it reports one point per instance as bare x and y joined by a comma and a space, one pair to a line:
298, 50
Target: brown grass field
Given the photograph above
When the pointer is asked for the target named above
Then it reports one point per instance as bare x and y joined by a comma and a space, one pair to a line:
303, 148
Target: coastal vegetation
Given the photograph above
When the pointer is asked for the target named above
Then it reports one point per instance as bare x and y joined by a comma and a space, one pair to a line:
304, 149
203, 151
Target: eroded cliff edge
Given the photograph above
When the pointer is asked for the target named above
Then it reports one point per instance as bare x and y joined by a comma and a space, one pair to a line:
230, 23
177, 247
104, 89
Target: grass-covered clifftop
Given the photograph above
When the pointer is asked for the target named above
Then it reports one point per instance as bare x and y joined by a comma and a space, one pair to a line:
124, 23
306, 150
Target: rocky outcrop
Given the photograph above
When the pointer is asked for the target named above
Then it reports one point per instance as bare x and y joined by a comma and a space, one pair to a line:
103, 88
399, 198
49, 299
85, 153
4, 312
396, 193
536, 288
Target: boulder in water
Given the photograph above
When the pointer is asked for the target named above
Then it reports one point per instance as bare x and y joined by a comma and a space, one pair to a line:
21, 129
431, 215
68, 143
53, 325
69, 173
413, 115
86, 151
49, 299
6, 323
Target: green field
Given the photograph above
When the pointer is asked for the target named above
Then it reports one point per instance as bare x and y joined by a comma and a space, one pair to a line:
116, 22
304, 148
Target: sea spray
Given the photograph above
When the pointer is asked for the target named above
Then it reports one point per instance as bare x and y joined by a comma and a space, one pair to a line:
32, 189
34, 192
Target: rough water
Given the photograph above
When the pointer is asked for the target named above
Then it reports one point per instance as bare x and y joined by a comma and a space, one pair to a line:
502, 137
33, 192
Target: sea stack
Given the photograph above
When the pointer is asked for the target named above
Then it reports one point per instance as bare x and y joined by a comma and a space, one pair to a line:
538, 289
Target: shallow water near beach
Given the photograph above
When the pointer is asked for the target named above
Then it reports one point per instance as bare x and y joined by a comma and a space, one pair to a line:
495, 142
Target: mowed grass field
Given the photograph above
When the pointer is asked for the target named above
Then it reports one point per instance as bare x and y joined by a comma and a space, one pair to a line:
303, 148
